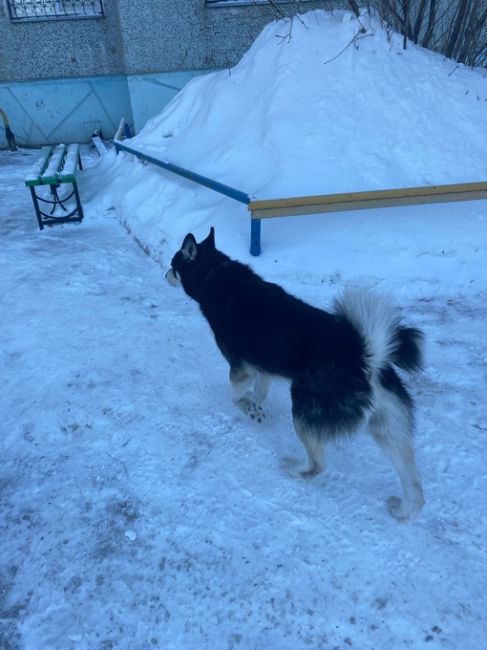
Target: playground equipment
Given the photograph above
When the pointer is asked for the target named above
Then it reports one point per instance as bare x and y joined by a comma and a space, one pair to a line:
301, 205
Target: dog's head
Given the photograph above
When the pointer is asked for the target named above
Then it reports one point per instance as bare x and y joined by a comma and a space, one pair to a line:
192, 262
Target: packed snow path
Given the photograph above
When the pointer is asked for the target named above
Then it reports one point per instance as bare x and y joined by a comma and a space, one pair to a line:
139, 509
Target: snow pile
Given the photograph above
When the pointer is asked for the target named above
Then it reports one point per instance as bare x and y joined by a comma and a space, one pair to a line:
326, 110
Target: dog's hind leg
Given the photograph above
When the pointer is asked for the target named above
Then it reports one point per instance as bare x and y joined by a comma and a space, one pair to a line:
242, 379
391, 427
314, 448
261, 386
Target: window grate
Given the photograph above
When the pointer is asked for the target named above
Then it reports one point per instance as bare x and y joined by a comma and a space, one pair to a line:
47, 9
222, 3
217, 3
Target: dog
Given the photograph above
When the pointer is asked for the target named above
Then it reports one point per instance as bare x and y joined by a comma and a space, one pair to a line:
341, 364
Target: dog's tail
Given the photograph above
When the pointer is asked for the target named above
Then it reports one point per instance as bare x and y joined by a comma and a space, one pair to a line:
387, 341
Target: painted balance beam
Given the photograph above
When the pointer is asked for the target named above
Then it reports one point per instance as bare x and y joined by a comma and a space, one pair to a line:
347, 201
301, 205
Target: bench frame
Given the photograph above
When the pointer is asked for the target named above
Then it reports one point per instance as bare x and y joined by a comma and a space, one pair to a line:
56, 166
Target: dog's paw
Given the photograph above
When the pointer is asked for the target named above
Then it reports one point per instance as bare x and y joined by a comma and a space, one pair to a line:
251, 409
310, 473
294, 469
401, 510
257, 413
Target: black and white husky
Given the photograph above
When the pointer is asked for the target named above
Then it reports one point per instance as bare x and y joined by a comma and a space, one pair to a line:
340, 364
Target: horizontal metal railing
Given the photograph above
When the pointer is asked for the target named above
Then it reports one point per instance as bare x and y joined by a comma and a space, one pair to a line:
301, 205
221, 188
186, 173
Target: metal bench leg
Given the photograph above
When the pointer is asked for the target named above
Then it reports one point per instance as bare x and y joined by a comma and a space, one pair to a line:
37, 208
78, 201
57, 200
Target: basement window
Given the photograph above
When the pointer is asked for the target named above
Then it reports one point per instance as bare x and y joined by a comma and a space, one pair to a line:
24, 10
241, 3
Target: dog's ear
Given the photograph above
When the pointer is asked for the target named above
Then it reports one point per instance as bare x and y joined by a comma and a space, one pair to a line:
189, 248
210, 240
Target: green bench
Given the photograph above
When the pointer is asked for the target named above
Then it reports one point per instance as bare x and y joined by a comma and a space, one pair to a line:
56, 166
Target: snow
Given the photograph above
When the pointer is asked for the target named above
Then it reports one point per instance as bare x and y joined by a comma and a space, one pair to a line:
55, 160
139, 509
71, 160
37, 167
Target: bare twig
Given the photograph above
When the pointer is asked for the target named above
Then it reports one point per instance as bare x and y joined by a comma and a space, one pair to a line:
287, 37
353, 4
282, 14
353, 41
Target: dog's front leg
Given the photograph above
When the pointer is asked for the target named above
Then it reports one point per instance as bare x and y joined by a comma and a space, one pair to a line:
249, 402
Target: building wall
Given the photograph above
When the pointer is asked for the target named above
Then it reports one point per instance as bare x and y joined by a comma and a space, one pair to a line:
46, 49
61, 79
133, 38
174, 35
64, 110
149, 93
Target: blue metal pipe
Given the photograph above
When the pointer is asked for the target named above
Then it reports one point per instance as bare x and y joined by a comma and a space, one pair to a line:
192, 176
255, 237
231, 192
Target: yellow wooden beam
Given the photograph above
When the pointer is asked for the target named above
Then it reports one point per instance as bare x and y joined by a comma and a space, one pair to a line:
363, 200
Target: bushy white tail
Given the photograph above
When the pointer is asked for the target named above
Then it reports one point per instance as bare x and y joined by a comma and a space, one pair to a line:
387, 341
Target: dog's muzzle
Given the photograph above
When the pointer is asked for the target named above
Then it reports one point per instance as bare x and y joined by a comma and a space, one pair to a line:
173, 278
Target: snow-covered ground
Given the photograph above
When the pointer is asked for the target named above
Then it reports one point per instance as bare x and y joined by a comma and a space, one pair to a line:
138, 508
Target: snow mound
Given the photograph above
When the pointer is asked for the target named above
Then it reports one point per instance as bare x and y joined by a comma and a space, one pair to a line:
324, 109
